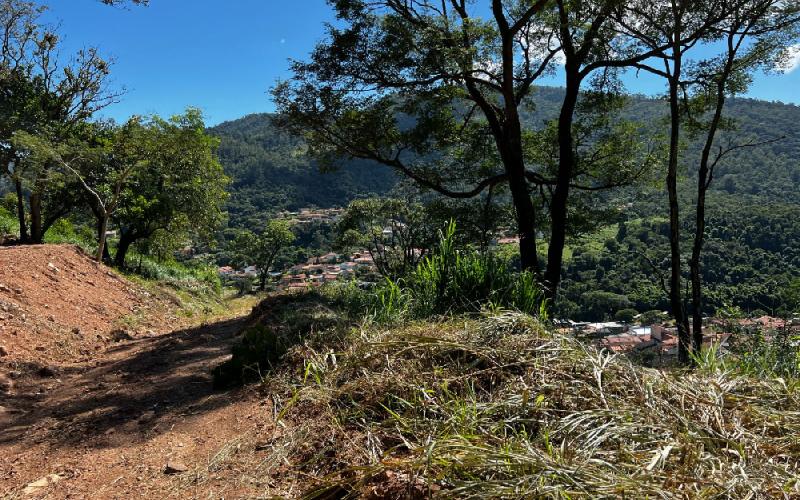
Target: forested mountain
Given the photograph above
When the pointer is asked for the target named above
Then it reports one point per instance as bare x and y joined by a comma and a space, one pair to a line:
270, 171
753, 233
752, 253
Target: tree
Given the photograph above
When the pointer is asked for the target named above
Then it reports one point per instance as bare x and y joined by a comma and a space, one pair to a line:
182, 188
396, 233
626, 315
103, 164
683, 26
43, 98
756, 35
261, 249
791, 297
437, 92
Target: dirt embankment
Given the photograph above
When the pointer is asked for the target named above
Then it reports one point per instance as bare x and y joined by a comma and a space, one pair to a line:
106, 390
59, 306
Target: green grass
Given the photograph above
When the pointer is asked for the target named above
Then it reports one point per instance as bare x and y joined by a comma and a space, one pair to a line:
448, 280
8, 222
500, 407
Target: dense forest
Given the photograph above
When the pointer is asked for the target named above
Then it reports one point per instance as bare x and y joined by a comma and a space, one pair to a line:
270, 171
753, 233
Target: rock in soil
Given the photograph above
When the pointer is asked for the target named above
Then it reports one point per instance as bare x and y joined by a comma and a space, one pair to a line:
6, 385
40, 484
3, 351
175, 468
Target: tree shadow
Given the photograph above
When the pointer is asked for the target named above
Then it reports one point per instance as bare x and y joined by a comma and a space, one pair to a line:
140, 388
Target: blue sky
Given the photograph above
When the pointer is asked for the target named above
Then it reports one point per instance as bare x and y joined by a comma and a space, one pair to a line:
223, 55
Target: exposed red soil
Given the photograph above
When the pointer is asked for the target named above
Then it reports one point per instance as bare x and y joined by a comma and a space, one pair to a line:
109, 429
90, 416
57, 305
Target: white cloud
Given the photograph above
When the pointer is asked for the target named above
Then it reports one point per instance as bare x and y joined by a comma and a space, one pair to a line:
283, 40
792, 61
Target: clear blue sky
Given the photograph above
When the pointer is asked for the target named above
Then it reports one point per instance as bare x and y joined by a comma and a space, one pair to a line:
223, 55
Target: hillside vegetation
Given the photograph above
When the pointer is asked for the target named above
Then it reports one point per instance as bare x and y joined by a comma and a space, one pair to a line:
270, 171
751, 254
496, 405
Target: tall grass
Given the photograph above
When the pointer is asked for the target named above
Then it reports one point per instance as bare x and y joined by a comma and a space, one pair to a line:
496, 406
450, 280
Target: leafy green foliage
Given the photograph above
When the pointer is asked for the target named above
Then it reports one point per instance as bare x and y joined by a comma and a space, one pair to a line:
261, 249
449, 280
750, 259
271, 172
182, 190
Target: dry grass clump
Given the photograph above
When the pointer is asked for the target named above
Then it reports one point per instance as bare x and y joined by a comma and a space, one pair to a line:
499, 407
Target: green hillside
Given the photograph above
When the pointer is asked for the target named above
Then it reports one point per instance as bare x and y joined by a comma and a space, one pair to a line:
271, 172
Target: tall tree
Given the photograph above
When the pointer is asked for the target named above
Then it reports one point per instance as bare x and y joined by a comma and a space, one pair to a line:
674, 27
755, 35
437, 91
182, 188
46, 97
683, 26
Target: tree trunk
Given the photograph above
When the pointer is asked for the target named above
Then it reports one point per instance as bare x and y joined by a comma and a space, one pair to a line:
23, 225
35, 202
525, 217
508, 138
566, 163
675, 282
510, 148
98, 215
703, 181
101, 239
125, 241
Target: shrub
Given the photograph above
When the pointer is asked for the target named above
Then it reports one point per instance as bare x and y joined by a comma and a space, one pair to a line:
259, 350
772, 354
464, 280
7, 222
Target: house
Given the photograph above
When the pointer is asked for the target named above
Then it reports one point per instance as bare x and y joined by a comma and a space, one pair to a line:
626, 342
609, 328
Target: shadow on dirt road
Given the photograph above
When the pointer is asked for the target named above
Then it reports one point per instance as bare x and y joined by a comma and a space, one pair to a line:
131, 391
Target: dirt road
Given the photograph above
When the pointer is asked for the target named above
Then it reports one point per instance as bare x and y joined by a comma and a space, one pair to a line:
141, 420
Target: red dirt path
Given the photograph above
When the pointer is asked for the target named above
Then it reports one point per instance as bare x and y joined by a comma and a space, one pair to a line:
90, 417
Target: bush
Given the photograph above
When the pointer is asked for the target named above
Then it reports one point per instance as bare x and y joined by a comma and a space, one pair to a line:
771, 354
193, 278
8, 203
291, 320
453, 280
259, 350
8, 224
626, 315
449, 280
